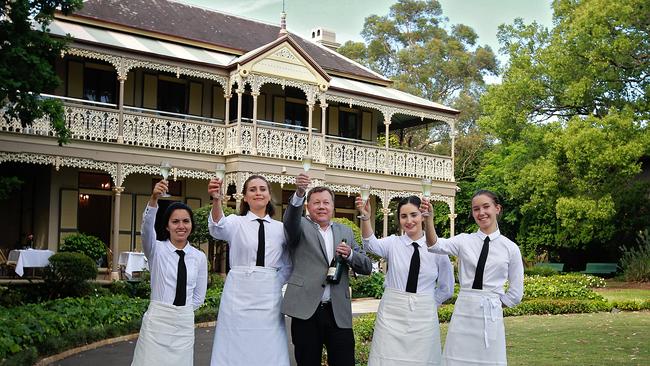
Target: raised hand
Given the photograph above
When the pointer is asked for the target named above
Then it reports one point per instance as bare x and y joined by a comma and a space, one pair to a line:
302, 183
426, 208
364, 210
214, 188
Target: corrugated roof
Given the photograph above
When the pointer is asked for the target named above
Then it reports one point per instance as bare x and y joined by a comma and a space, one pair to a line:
211, 27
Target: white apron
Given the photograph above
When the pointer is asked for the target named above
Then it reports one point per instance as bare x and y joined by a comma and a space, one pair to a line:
250, 327
476, 333
407, 332
166, 336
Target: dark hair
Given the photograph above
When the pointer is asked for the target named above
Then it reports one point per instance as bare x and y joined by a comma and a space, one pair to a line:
164, 234
320, 189
414, 200
244, 207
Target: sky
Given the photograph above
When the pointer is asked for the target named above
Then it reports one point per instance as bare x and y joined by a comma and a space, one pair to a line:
346, 17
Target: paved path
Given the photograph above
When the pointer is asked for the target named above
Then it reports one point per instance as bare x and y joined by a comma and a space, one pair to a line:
120, 354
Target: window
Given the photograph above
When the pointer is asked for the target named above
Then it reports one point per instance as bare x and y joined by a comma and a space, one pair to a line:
99, 85
295, 114
349, 125
171, 97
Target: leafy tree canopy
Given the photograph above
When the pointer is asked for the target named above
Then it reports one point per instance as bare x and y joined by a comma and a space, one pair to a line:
27, 54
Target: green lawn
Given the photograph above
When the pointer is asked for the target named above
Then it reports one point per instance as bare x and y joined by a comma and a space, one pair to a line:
622, 294
601, 339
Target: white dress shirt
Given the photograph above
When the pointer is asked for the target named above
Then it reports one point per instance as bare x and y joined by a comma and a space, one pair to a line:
503, 263
433, 267
241, 233
163, 265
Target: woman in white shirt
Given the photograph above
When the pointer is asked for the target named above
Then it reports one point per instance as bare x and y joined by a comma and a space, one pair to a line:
179, 278
250, 327
407, 329
487, 260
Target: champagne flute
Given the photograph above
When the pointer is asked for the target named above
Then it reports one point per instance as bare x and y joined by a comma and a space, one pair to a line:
306, 162
426, 192
220, 172
426, 187
165, 168
364, 190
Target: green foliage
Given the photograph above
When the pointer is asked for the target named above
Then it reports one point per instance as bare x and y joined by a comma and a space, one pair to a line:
355, 229
540, 271
558, 306
26, 59
635, 261
8, 185
368, 286
89, 245
559, 287
68, 274
53, 326
201, 233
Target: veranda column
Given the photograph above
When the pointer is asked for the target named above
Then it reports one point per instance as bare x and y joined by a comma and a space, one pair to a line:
386, 162
240, 93
226, 118
254, 137
115, 272
120, 108
452, 217
310, 106
385, 211
238, 199
323, 119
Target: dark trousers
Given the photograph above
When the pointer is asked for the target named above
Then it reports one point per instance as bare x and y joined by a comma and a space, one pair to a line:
310, 335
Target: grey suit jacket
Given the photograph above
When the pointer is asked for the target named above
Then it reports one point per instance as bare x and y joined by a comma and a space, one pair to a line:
309, 256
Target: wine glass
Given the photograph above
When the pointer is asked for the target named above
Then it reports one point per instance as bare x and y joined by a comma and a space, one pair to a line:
165, 168
306, 162
364, 190
426, 187
220, 172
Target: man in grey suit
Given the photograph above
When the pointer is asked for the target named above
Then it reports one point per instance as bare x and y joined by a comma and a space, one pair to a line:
321, 312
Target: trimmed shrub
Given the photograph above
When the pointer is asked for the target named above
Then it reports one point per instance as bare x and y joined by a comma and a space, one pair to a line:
68, 274
540, 271
368, 286
636, 261
89, 245
355, 228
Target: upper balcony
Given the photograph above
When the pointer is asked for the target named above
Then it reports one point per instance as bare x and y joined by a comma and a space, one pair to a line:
156, 129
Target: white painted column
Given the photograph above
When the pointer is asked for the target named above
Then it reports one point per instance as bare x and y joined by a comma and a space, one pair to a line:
254, 137
120, 108
115, 245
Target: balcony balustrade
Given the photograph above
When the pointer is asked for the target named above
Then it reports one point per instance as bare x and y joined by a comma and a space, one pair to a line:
92, 121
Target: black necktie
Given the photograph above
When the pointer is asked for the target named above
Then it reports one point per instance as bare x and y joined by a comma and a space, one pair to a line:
414, 270
260, 244
480, 266
181, 280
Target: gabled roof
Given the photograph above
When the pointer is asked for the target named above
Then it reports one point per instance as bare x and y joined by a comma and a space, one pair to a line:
199, 25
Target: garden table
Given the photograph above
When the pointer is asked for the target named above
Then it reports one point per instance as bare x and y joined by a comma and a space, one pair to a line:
132, 262
29, 258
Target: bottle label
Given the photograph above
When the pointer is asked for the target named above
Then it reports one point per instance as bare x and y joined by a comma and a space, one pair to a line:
331, 271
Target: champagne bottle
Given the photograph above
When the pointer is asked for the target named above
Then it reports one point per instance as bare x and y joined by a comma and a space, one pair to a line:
335, 271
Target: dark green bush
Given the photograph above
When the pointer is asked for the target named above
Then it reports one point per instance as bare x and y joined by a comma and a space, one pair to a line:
368, 286
635, 261
576, 286
68, 275
89, 245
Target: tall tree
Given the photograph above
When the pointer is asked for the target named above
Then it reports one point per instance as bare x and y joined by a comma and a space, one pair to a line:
27, 54
570, 125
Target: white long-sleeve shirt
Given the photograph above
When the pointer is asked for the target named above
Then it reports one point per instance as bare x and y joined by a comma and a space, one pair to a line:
434, 268
163, 265
241, 232
504, 263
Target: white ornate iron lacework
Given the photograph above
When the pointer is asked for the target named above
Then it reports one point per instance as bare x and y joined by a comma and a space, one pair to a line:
143, 130
124, 64
92, 124
285, 53
57, 161
389, 111
256, 81
282, 143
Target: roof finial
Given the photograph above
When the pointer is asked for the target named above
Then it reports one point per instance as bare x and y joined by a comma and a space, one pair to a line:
283, 21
